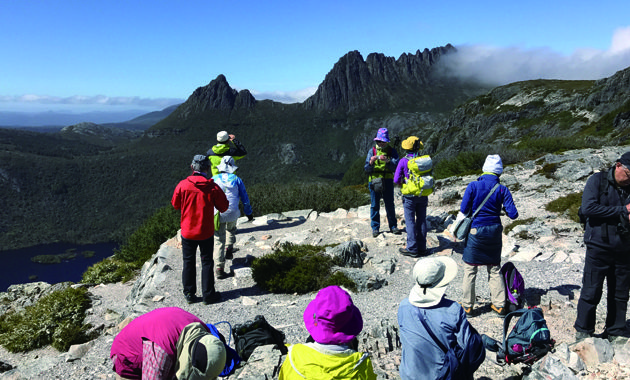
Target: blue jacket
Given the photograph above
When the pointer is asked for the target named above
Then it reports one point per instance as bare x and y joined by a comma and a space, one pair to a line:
422, 357
234, 190
490, 214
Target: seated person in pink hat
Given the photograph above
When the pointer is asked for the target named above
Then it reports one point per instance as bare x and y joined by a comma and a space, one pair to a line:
334, 323
437, 340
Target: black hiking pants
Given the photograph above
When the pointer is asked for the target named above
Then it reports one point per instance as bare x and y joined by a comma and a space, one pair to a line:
615, 269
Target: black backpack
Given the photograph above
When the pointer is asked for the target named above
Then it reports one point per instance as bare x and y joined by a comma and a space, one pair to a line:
528, 341
259, 332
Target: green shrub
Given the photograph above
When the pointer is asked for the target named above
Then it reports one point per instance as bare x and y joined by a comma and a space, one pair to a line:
568, 204
56, 319
463, 164
322, 197
518, 222
355, 175
297, 269
110, 270
548, 170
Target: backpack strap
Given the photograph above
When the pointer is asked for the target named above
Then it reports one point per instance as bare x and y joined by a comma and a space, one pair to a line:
506, 327
485, 200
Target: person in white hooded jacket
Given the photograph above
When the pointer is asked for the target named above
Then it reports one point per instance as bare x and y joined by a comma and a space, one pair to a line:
234, 190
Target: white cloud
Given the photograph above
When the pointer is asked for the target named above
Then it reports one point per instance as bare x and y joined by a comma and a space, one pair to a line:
502, 65
98, 100
285, 96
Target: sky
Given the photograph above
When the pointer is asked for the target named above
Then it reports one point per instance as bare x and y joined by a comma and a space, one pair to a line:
84, 55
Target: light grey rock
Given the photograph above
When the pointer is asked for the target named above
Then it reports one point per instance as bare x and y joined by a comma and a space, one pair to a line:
263, 364
351, 253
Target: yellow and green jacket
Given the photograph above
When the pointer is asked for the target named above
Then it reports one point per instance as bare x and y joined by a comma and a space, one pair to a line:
229, 148
382, 169
315, 361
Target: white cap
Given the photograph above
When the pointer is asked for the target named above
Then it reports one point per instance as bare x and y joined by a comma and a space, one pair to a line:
222, 136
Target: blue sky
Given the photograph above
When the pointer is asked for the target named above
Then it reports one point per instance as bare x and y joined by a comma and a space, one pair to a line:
81, 55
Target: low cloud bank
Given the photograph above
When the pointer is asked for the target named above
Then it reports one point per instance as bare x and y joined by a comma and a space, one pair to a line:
99, 101
500, 65
285, 96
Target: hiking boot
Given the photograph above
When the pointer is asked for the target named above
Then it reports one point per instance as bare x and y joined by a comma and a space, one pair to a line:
579, 336
409, 253
396, 231
221, 275
229, 253
502, 311
467, 310
617, 339
375, 233
190, 298
215, 297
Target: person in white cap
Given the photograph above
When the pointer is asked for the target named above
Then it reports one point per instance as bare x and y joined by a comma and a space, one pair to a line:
438, 342
483, 245
227, 145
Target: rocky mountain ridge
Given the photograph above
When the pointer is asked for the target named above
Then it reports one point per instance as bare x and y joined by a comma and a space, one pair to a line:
545, 246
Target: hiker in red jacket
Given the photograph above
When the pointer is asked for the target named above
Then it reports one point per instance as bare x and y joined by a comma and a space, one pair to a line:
196, 197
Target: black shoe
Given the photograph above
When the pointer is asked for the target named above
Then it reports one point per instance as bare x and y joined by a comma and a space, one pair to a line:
229, 253
396, 231
190, 298
579, 336
406, 252
221, 275
375, 233
213, 298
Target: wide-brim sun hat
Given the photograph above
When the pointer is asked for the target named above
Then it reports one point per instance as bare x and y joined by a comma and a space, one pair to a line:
332, 318
409, 142
200, 355
382, 135
227, 165
431, 276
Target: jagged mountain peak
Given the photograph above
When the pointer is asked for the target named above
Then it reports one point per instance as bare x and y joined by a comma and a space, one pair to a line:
217, 95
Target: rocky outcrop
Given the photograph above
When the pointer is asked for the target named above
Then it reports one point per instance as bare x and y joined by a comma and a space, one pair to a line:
217, 95
379, 82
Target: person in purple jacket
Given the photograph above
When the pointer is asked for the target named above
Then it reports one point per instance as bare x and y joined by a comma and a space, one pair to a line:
167, 343
483, 245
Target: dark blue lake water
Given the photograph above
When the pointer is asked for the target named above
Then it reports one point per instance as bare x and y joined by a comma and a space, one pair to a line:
16, 266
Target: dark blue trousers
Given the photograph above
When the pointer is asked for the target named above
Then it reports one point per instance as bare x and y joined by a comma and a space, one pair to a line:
388, 199
416, 222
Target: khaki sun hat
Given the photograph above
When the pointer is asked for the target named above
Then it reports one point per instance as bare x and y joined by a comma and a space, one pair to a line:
200, 355
431, 275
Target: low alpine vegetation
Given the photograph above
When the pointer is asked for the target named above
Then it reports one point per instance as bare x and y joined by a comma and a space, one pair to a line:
56, 319
568, 204
297, 269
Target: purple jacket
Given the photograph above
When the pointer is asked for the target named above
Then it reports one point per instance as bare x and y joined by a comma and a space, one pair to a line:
161, 326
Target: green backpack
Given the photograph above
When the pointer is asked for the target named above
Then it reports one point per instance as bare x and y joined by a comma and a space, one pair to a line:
420, 181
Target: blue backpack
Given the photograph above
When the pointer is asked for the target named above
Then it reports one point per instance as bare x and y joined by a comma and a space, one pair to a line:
231, 356
529, 340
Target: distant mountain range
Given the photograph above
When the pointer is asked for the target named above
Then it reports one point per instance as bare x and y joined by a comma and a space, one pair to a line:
52, 121
94, 183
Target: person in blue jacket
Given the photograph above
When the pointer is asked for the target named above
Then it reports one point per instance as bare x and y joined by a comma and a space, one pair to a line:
235, 191
483, 245
438, 342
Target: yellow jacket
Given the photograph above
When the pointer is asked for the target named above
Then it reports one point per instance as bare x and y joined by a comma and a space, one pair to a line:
314, 361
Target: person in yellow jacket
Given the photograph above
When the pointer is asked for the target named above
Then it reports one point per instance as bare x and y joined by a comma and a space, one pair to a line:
333, 323
227, 145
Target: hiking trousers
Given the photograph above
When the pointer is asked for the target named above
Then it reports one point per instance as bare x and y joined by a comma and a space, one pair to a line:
388, 198
416, 222
615, 268
495, 281
189, 271
226, 231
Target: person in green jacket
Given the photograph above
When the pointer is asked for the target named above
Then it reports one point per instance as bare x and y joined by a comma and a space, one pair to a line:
330, 352
227, 145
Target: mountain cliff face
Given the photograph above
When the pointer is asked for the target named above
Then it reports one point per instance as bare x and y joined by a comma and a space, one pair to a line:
217, 95
355, 85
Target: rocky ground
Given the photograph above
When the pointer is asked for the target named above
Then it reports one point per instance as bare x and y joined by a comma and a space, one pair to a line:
549, 254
